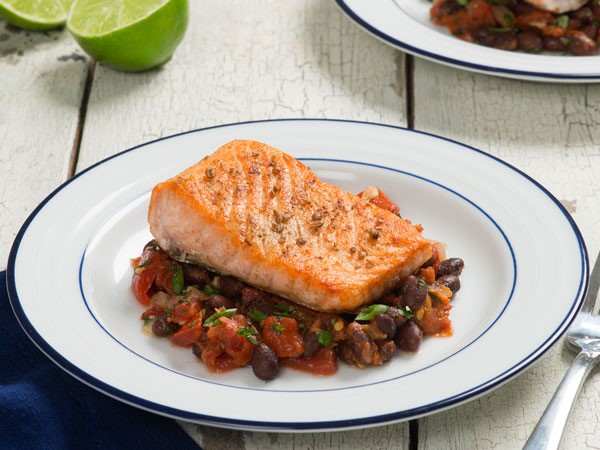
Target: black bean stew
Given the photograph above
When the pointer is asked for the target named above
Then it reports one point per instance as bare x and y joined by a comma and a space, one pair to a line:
229, 324
516, 25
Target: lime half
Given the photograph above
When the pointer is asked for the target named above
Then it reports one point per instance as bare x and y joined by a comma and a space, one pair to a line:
37, 15
129, 35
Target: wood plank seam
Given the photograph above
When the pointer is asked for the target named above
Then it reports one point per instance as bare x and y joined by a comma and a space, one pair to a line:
85, 97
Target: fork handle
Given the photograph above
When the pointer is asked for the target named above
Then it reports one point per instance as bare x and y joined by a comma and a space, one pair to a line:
549, 430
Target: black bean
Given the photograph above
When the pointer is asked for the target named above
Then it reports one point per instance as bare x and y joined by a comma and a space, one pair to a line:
399, 319
448, 7
451, 266
216, 301
161, 327
256, 299
583, 14
596, 11
554, 44
362, 346
231, 287
414, 292
197, 350
450, 281
386, 350
591, 31
311, 343
530, 42
409, 337
385, 324
522, 8
581, 45
195, 275
503, 40
265, 363
482, 35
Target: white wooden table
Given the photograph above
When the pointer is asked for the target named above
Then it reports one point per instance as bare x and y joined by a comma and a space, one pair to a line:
60, 113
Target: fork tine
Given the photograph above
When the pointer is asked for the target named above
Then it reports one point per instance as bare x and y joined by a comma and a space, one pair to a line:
593, 287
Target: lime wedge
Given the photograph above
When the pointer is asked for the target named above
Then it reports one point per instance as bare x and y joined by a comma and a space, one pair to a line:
35, 15
129, 35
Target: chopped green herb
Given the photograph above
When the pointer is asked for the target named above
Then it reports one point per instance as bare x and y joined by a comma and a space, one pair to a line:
144, 264
277, 328
248, 333
177, 279
406, 312
509, 20
499, 29
256, 315
435, 298
421, 282
284, 310
371, 311
209, 289
333, 321
213, 320
325, 338
562, 21
462, 2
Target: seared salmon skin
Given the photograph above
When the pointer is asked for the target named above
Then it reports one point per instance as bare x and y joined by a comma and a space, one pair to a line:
254, 212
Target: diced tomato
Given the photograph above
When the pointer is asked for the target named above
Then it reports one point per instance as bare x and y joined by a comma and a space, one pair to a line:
435, 259
321, 363
283, 336
189, 333
226, 349
183, 310
153, 311
428, 274
480, 14
378, 198
457, 22
554, 31
153, 268
435, 321
534, 19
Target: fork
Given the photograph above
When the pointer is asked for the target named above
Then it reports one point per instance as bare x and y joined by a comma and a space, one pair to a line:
583, 337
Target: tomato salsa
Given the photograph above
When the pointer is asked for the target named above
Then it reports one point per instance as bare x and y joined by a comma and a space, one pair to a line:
228, 324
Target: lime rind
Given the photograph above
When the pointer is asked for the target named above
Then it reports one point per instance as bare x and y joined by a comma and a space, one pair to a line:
35, 15
95, 18
147, 42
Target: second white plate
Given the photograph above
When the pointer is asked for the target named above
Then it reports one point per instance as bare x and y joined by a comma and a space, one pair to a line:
406, 24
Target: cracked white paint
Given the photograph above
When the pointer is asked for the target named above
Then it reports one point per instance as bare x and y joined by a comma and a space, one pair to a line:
550, 132
39, 107
239, 62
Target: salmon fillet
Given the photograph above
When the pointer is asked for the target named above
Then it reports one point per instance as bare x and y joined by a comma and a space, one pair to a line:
254, 212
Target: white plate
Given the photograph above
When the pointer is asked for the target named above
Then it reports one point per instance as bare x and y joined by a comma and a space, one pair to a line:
406, 24
69, 274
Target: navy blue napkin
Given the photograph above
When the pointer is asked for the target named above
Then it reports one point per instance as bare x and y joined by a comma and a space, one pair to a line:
42, 407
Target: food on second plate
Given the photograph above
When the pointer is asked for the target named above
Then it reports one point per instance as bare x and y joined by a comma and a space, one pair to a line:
565, 26
256, 262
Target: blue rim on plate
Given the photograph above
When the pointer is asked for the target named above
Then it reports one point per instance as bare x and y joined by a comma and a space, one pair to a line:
308, 161
258, 425
489, 69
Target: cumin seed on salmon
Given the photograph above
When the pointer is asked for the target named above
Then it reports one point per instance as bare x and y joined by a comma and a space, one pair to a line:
256, 213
